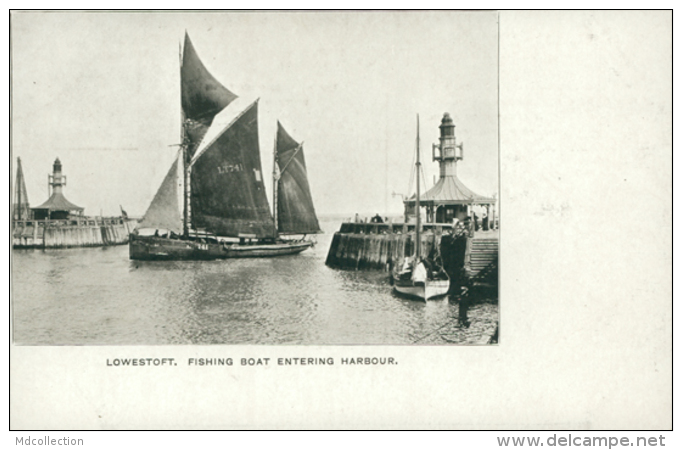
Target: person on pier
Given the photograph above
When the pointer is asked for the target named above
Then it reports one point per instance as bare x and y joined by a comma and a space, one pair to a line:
406, 269
419, 274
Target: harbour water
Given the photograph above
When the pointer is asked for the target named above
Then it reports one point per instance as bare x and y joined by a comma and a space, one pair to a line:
98, 296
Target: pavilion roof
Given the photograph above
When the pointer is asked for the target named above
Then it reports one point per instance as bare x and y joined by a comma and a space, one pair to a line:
57, 202
450, 190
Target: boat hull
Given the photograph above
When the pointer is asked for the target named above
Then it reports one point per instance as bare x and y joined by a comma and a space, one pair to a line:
159, 248
423, 290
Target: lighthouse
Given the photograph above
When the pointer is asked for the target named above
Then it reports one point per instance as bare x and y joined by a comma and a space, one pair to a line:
447, 152
449, 198
57, 206
56, 180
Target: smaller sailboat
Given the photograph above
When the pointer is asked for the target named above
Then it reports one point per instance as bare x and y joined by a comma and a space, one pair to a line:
416, 276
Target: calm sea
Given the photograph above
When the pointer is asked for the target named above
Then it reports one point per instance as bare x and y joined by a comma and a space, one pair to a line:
97, 296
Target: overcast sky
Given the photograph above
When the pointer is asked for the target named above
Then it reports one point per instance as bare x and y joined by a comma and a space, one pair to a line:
101, 92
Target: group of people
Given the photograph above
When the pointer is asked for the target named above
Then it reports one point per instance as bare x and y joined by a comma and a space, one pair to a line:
414, 269
422, 269
483, 222
168, 234
376, 219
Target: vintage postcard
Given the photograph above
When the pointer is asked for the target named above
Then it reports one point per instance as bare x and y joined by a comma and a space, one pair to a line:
320, 219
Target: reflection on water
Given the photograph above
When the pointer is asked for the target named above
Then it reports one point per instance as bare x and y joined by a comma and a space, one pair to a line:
97, 296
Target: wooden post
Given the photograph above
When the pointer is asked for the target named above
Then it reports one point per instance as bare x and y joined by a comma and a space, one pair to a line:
275, 182
417, 207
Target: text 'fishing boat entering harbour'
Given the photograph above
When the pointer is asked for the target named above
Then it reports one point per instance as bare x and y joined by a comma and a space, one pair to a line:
212, 203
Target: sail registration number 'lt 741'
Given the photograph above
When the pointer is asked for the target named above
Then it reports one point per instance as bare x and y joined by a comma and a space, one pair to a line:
202, 246
227, 168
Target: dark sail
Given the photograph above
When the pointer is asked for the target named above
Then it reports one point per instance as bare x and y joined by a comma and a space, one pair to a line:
202, 96
20, 207
228, 196
295, 210
164, 211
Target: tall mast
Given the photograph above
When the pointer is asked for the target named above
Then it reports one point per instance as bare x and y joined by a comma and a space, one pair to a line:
417, 234
17, 182
185, 197
275, 182
185, 168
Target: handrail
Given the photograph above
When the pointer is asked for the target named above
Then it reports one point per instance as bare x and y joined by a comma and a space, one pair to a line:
78, 221
392, 228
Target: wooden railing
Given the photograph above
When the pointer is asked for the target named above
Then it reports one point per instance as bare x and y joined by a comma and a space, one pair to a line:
84, 221
391, 228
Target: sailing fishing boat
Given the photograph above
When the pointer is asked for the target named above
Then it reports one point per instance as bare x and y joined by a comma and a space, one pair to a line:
415, 277
225, 211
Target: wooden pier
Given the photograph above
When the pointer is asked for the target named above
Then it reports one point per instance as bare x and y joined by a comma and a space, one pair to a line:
379, 246
80, 232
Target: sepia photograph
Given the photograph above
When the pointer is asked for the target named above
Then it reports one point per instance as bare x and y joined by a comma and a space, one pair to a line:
326, 181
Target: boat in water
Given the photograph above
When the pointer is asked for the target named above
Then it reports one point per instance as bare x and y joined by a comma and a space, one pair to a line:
423, 278
212, 203
425, 286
